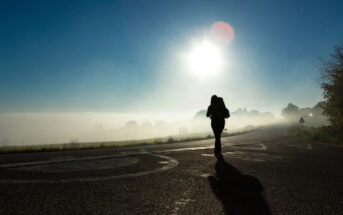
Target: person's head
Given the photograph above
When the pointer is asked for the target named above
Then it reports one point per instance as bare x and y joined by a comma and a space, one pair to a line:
214, 99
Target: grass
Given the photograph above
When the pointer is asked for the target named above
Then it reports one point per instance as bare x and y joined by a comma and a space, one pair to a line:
324, 134
74, 145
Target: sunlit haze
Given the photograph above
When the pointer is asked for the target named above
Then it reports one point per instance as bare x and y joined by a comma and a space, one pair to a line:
205, 59
78, 68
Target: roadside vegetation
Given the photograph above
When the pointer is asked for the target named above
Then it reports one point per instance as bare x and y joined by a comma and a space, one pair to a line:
332, 84
324, 134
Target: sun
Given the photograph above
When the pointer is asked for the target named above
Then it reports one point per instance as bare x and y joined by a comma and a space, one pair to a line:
205, 59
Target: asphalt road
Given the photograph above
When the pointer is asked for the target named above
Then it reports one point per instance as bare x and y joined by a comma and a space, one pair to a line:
261, 172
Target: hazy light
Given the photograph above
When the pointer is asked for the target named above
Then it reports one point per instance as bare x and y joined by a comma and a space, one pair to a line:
205, 59
222, 32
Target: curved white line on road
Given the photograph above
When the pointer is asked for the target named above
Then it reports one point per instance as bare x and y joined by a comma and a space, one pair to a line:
171, 164
250, 146
263, 146
67, 159
186, 149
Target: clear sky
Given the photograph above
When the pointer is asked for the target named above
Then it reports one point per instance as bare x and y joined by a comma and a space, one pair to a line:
124, 56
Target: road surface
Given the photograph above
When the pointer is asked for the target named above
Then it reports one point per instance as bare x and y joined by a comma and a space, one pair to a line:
260, 172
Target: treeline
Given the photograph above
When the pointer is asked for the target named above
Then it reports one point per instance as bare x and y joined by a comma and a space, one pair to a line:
332, 85
312, 116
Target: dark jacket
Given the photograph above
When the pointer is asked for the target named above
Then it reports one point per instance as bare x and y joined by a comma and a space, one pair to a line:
217, 112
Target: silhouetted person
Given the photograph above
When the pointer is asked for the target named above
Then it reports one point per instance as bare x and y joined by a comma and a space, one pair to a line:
217, 112
238, 193
301, 121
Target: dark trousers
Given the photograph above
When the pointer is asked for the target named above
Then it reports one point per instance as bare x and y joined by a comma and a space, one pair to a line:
217, 130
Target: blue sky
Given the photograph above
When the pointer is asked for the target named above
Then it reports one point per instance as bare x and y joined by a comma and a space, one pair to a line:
121, 56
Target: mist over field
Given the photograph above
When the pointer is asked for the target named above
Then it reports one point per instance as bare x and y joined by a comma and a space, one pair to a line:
48, 128
97, 71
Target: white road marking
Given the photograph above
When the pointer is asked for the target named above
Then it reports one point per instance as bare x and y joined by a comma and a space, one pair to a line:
301, 146
248, 156
185, 149
122, 154
251, 146
182, 203
205, 175
163, 162
243, 146
208, 155
54, 160
82, 166
171, 164
62, 158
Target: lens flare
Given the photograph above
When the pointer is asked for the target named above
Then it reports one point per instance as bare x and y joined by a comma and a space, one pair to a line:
222, 32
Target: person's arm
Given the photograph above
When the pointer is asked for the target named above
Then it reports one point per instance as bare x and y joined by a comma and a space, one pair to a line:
209, 111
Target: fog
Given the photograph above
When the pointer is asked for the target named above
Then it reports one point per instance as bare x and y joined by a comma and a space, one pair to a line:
110, 86
48, 128
313, 116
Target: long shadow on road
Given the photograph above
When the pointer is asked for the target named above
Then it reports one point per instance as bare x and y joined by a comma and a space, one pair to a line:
239, 194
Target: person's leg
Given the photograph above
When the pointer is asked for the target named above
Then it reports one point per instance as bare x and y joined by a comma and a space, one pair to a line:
215, 136
217, 130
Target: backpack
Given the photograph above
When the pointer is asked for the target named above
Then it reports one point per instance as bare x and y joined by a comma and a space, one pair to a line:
226, 113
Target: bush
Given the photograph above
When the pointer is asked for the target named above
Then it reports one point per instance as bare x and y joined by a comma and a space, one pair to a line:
170, 140
327, 134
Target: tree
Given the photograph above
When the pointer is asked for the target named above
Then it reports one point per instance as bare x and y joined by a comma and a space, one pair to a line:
332, 84
291, 112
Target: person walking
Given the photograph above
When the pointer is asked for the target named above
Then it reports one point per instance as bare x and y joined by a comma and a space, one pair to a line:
217, 112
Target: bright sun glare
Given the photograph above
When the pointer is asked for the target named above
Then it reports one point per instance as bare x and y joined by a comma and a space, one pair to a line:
205, 59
